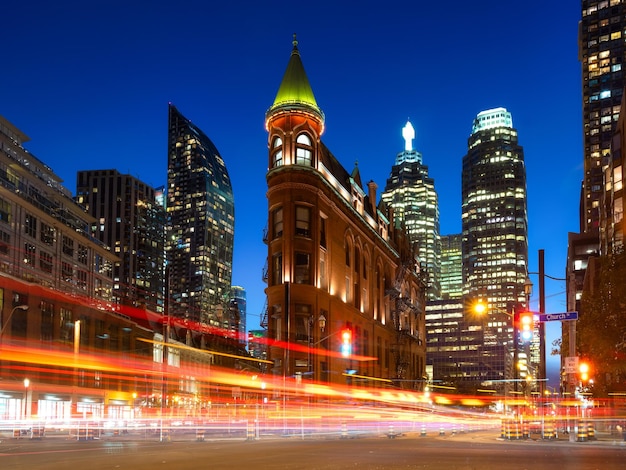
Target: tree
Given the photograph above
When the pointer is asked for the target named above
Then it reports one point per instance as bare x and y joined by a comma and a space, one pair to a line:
601, 329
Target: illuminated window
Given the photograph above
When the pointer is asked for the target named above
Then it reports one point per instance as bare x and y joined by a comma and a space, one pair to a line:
303, 150
47, 234
29, 253
277, 152
5, 211
618, 210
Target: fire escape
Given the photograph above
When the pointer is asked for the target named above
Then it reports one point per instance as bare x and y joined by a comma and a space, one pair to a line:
402, 311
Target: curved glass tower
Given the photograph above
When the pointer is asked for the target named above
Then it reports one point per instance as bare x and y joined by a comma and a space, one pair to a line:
201, 229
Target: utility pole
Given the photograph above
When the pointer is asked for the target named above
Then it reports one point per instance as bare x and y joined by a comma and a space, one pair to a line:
542, 328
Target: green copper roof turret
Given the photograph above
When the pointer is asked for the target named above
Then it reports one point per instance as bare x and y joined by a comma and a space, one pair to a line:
295, 90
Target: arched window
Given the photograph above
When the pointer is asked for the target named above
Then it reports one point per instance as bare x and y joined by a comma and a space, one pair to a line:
277, 152
304, 150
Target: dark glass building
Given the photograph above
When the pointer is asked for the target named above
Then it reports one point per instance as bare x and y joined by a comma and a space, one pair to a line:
495, 232
201, 225
132, 223
411, 193
601, 52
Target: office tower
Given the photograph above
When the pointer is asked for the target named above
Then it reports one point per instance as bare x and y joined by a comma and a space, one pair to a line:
238, 320
411, 193
132, 223
201, 225
495, 228
602, 52
56, 294
342, 280
454, 345
612, 215
45, 237
451, 278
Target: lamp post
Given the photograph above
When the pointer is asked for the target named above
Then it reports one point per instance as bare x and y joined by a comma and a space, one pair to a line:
481, 308
8, 319
321, 322
26, 384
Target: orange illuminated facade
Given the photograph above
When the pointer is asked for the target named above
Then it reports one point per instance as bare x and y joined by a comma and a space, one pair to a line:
335, 262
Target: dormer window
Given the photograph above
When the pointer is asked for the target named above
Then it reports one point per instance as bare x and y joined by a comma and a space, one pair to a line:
277, 152
304, 150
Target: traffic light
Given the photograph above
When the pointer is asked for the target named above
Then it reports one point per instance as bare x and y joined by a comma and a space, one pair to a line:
526, 325
583, 368
346, 342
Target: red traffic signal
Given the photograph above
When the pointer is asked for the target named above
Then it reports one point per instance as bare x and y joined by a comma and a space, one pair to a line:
346, 342
526, 324
583, 369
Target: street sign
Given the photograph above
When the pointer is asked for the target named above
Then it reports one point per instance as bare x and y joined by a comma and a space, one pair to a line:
571, 365
566, 316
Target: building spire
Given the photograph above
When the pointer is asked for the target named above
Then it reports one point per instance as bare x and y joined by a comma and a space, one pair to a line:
295, 92
408, 133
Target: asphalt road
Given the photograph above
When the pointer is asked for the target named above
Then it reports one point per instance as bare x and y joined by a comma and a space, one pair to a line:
481, 451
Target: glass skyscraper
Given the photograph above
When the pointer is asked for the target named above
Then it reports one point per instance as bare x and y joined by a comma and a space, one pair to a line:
411, 193
132, 223
451, 279
495, 228
201, 228
602, 52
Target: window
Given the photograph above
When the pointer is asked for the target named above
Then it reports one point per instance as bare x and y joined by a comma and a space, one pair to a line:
67, 273
303, 215
30, 226
302, 270
277, 269
68, 246
81, 277
5, 211
277, 152
47, 320
47, 234
82, 254
45, 262
323, 232
302, 318
5, 242
29, 254
323, 276
278, 223
277, 316
66, 325
303, 150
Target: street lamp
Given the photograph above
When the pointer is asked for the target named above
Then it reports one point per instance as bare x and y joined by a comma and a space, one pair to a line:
18, 307
321, 322
481, 308
26, 384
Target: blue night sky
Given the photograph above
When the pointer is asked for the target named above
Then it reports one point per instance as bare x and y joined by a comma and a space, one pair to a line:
89, 83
